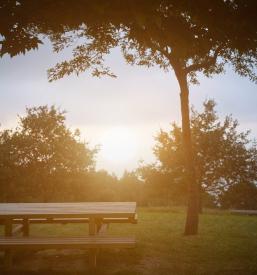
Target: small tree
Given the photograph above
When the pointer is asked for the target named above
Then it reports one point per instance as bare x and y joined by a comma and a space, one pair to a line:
40, 149
223, 156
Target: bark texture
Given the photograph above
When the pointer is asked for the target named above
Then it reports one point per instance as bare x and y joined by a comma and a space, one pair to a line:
192, 218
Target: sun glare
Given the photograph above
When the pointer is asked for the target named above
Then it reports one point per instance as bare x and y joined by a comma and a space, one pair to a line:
119, 144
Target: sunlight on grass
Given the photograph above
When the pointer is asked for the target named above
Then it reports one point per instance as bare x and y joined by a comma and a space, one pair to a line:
161, 248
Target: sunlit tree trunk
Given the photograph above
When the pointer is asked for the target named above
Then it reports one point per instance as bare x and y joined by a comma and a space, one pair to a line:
191, 227
201, 191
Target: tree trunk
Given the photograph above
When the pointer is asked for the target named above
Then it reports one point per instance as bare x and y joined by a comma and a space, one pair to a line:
191, 227
200, 199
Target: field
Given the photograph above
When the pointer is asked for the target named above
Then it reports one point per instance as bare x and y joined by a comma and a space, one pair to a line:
226, 244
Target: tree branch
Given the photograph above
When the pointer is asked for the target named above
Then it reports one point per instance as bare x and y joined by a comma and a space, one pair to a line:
209, 62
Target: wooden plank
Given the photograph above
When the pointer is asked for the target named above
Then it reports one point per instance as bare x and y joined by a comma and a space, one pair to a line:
66, 242
90, 206
73, 220
67, 216
68, 210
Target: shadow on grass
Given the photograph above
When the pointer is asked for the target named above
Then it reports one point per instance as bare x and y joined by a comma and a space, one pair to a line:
109, 262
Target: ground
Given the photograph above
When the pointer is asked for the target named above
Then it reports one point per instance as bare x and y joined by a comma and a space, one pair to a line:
226, 244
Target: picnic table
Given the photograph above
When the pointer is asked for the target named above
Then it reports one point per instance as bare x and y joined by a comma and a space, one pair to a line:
17, 218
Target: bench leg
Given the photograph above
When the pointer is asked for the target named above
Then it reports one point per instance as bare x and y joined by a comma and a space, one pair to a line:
25, 227
8, 252
8, 259
8, 228
92, 258
92, 252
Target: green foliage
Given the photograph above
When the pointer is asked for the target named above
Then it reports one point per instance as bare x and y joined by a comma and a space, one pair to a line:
40, 153
199, 36
43, 160
131, 188
240, 196
223, 156
162, 188
48, 143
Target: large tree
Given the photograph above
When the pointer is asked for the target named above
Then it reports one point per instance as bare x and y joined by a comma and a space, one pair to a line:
186, 36
223, 156
38, 152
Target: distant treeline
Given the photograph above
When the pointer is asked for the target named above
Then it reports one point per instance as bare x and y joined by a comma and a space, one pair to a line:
44, 161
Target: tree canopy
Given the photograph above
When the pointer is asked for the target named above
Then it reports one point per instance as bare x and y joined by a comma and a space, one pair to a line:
223, 156
181, 34
40, 150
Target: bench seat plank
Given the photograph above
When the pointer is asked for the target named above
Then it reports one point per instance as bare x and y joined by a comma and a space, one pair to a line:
66, 242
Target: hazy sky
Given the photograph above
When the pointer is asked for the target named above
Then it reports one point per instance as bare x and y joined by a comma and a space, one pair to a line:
127, 110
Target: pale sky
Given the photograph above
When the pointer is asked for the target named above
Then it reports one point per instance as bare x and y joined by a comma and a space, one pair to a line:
125, 112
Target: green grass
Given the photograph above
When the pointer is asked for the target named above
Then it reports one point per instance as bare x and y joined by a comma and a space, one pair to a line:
226, 244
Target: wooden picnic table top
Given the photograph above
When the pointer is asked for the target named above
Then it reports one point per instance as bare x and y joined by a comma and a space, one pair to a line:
68, 210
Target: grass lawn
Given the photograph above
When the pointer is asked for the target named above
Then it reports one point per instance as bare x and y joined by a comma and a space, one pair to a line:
226, 244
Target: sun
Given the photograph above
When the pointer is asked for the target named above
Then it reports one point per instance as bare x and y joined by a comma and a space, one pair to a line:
119, 144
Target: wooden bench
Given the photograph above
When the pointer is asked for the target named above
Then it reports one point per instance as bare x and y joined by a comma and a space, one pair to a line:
17, 217
11, 244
